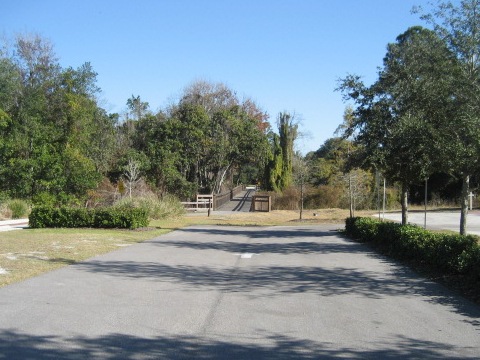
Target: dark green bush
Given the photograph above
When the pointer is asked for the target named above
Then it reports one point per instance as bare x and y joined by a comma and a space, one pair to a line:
129, 218
450, 253
43, 217
362, 229
454, 253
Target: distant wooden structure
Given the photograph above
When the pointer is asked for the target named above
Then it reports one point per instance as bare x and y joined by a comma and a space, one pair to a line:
262, 203
212, 202
204, 202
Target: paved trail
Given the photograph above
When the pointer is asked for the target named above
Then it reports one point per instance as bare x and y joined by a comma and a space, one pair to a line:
237, 293
9, 225
240, 203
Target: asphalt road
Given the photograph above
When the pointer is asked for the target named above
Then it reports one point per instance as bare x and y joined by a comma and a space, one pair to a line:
441, 220
237, 293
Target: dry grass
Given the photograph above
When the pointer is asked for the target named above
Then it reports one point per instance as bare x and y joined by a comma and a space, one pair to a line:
30, 252
276, 217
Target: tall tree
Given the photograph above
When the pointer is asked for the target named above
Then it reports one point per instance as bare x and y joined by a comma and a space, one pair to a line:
274, 166
202, 146
459, 24
51, 113
288, 133
397, 118
212, 97
138, 108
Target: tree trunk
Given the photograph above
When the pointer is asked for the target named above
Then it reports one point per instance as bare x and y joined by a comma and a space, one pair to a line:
301, 201
464, 204
404, 204
219, 181
350, 194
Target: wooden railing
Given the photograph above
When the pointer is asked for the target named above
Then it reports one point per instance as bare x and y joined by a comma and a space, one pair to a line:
203, 203
221, 199
213, 202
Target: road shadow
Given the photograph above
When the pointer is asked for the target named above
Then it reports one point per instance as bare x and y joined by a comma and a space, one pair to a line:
280, 280
17, 345
285, 248
286, 241
325, 241
263, 233
275, 280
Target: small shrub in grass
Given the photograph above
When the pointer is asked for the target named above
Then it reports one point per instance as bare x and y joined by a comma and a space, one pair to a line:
18, 208
168, 206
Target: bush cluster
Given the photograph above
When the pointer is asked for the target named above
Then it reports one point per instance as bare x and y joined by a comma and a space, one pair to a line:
125, 218
449, 253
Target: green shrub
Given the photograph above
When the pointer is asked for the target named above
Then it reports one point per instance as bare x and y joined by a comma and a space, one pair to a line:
45, 198
168, 206
449, 253
18, 208
42, 217
128, 218
454, 253
3, 196
46, 216
362, 229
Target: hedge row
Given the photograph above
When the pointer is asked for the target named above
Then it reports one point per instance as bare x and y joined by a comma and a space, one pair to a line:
125, 218
449, 253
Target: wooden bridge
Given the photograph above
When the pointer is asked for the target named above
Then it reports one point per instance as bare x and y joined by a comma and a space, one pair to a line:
240, 199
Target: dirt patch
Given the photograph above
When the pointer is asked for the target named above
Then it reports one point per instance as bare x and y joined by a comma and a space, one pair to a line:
146, 228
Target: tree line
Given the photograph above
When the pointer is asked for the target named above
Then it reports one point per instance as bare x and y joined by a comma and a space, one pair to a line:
417, 122
421, 117
58, 145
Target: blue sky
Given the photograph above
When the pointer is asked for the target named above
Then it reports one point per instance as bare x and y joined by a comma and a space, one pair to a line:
287, 55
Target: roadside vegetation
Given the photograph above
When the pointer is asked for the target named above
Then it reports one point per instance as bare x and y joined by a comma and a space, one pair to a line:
417, 124
452, 259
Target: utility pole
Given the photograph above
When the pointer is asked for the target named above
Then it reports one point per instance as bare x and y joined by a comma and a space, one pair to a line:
384, 198
426, 200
